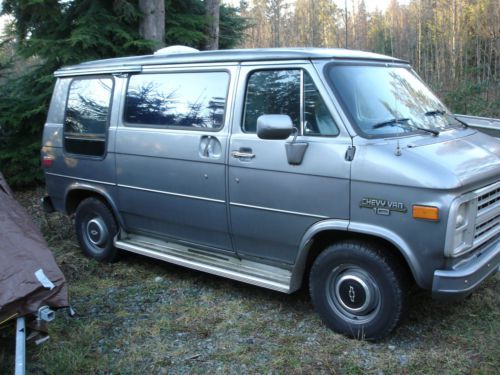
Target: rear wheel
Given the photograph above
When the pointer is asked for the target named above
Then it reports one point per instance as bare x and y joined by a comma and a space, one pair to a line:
358, 290
95, 229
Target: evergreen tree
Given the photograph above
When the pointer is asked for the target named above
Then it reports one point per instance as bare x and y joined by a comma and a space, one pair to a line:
50, 33
187, 23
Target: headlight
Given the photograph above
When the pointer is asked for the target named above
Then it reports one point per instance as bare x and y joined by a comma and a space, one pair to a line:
461, 216
460, 231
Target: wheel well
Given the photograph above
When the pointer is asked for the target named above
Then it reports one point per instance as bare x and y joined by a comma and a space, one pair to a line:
76, 196
326, 238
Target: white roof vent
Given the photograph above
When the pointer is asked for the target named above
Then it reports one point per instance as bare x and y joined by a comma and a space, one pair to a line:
172, 50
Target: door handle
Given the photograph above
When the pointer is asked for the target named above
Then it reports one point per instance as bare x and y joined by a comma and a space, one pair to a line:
243, 153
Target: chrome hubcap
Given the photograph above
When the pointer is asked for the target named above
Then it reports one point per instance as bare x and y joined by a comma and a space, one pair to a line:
353, 293
97, 233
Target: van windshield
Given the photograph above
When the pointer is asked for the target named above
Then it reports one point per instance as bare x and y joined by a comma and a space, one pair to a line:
387, 101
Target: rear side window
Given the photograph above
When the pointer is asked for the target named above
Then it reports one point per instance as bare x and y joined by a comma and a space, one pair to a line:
87, 113
179, 100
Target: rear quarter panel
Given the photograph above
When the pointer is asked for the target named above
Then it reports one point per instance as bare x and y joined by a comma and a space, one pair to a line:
69, 171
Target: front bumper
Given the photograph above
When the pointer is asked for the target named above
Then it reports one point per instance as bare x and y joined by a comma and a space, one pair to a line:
461, 281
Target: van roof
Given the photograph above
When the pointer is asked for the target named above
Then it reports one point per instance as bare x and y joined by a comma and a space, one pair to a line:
135, 63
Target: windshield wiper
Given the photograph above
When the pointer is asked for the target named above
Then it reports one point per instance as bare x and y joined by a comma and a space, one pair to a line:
402, 121
442, 113
435, 112
397, 121
432, 131
460, 121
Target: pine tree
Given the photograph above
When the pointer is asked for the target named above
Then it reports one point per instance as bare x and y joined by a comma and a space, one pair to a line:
49, 34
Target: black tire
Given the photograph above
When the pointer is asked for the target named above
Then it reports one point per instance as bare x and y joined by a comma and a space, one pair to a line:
95, 229
358, 290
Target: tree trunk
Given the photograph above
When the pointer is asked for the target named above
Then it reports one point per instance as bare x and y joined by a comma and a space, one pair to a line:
213, 13
152, 26
419, 37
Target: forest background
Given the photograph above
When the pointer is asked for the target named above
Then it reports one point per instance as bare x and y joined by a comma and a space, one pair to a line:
454, 45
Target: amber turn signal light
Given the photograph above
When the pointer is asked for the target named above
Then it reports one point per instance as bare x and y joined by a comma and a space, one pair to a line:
425, 212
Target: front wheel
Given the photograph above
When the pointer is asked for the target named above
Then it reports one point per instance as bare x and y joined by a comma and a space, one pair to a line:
95, 229
358, 290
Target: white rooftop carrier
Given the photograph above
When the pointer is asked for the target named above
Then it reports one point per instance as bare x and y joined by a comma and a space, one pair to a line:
172, 50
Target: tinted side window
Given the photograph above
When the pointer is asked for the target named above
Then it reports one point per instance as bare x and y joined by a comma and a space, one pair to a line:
86, 118
187, 100
272, 92
317, 117
278, 92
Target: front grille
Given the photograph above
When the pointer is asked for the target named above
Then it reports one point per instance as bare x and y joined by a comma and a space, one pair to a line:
488, 199
488, 214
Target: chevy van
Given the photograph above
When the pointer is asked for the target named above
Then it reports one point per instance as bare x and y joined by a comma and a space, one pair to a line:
330, 168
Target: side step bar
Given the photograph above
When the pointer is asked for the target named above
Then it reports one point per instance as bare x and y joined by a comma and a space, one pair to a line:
250, 272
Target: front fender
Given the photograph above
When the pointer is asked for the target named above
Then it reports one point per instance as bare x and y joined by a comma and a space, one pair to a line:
305, 247
397, 241
353, 228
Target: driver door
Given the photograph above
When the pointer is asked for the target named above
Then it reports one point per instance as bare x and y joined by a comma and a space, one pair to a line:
272, 202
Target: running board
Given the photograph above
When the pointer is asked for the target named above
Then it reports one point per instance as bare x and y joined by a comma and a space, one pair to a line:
250, 272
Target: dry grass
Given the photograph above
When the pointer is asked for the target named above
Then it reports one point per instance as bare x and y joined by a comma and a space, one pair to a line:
131, 322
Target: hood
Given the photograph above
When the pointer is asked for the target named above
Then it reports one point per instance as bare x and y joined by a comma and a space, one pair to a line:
472, 159
452, 160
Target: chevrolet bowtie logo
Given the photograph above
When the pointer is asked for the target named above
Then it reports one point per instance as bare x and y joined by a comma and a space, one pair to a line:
352, 294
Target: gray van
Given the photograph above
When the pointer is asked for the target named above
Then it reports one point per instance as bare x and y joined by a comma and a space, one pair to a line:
330, 168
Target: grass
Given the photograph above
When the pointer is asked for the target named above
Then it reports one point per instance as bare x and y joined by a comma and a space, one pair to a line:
140, 316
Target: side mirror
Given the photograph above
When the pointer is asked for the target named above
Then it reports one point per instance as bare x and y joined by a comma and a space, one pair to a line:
295, 150
274, 126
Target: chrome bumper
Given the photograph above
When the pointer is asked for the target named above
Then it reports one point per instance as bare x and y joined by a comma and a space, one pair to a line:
462, 280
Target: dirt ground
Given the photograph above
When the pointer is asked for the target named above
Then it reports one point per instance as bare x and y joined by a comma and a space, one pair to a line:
142, 316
